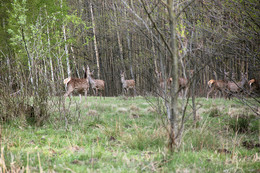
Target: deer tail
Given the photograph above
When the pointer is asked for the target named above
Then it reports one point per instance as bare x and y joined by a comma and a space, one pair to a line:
66, 81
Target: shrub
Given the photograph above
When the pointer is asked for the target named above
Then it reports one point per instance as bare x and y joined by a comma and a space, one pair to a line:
243, 124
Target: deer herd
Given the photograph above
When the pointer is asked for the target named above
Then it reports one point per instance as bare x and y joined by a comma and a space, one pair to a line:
226, 87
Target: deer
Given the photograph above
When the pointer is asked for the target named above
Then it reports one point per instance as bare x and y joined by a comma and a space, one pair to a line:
218, 85
254, 86
161, 81
127, 84
183, 82
236, 88
77, 84
96, 84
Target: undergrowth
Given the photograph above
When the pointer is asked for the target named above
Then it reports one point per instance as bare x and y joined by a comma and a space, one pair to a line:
127, 135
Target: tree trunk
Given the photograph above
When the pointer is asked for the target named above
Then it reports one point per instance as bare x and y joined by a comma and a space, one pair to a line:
119, 40
66, 48
50, 58
95, 39
174, 87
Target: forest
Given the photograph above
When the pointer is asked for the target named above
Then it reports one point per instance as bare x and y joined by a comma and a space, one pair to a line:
169, 85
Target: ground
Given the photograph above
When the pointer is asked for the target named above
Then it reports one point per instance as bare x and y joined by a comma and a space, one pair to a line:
128, 135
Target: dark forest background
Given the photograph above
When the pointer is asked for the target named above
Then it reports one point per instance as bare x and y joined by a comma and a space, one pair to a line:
45, 41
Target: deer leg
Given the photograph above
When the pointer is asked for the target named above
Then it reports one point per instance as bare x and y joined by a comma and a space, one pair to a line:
93, 89
124, 91
86, 94
80, 98
68, 93
186, 92
96, 92
210, 91
182, 92
100, 94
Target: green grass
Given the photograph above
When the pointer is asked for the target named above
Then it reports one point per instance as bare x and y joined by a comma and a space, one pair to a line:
119, 135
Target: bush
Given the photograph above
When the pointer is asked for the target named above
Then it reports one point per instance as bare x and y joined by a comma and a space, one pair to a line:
32, 107
244, 124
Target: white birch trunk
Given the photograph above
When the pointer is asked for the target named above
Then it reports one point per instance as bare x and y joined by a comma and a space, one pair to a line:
95, 39
66, 48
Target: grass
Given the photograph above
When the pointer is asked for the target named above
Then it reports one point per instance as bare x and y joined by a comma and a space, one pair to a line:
119, 135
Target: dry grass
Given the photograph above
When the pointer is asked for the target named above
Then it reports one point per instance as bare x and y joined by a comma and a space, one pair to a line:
122, 110
92, 113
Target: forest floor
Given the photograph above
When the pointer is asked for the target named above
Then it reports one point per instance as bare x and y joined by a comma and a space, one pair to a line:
128, 135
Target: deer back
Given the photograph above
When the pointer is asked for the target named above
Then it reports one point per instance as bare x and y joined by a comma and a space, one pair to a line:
100, 84
79, 84
130, 83
182, 82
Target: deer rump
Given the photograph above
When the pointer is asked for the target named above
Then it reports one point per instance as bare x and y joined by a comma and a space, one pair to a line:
80, 85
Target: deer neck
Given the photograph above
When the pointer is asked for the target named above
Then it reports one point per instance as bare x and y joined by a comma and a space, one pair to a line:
243, 82
123, 80
91, 80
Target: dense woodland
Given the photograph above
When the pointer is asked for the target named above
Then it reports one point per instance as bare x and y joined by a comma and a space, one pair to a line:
45, 41
167, 51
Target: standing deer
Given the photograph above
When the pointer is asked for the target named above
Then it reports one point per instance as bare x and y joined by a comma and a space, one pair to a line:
96, 84
236, 88
254, 86
127, 84
218, 86
80, 85
183, 82
161, 81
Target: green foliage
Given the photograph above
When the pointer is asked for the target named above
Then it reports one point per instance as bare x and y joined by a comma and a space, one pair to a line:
244, 124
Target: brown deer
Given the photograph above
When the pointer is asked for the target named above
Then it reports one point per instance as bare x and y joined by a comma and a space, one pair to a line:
161, 81
127, 84
80, 85
237, 88
96, 84
254, 87
183, 82
218, 86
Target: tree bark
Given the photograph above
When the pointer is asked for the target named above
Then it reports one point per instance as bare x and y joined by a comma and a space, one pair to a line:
174, 88
66, 48
95, 39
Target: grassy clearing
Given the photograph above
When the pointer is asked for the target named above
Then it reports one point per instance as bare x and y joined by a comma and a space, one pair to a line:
118, 135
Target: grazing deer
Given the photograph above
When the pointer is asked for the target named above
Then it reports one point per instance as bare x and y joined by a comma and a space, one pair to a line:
80, 85
96, 84
218, 85
254, 87
236, 88
127, 84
